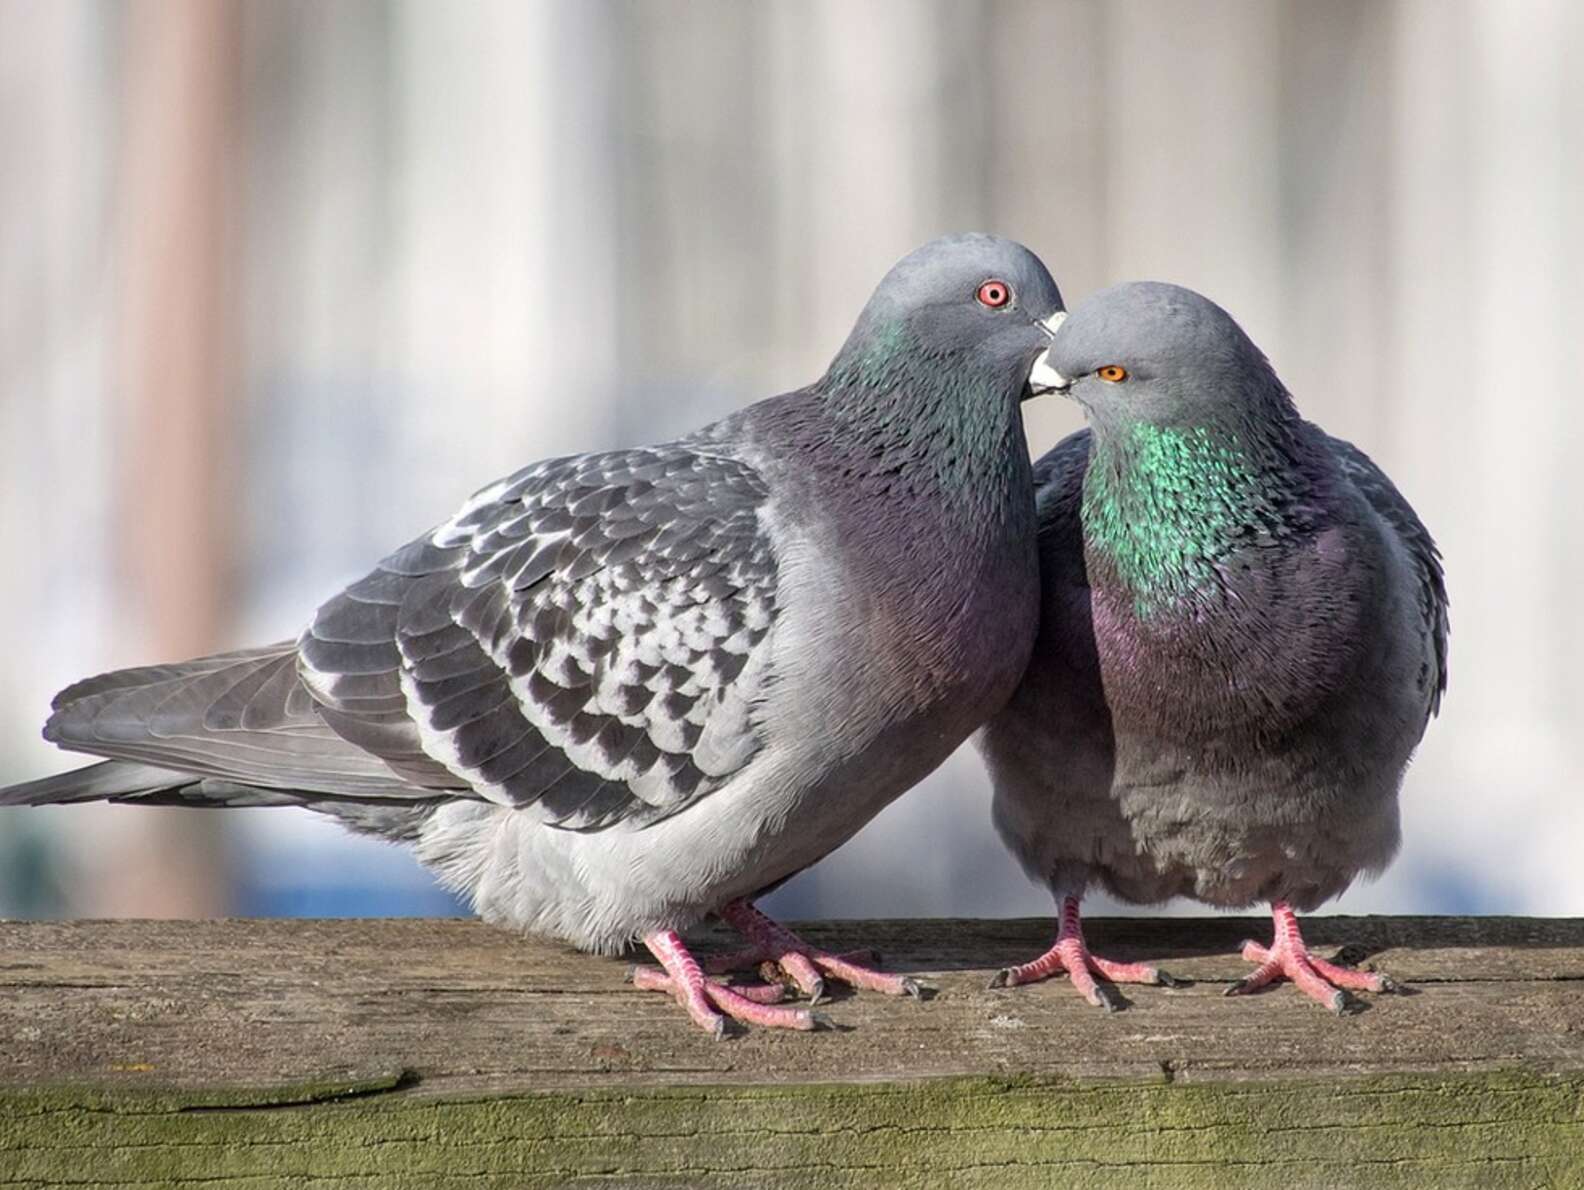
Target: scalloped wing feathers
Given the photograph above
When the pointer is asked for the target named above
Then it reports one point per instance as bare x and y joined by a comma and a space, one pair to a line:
586, 637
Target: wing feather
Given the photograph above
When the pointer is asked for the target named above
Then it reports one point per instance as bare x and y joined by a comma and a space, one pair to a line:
1395, 510
585, 637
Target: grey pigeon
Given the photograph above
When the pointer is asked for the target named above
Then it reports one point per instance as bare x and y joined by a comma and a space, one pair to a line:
1243, 636
618, 692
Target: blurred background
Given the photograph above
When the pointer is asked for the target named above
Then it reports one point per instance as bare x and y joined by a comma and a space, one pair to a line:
281, 283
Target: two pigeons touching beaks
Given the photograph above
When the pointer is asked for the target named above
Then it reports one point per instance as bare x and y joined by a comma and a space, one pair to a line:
618, 693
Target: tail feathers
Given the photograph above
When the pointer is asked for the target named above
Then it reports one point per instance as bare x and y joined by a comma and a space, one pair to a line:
112, 780
148, 785
145, 784
244, 718
153, 675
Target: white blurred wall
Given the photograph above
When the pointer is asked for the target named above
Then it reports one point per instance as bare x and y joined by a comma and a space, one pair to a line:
460, 237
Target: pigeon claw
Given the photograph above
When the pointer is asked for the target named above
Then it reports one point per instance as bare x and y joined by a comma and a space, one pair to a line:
1082, 968
1288, 957
1344, 1004
707, 1000
1093, 977
807, 967
1107, 997
800, 967
751, 1011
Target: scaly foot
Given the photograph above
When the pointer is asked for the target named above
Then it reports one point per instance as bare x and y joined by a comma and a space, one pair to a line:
1318, 979
1071, 954
781, 955
769, 942
709, 1001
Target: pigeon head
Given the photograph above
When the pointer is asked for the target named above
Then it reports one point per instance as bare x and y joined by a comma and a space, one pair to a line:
961, 304
1150, 353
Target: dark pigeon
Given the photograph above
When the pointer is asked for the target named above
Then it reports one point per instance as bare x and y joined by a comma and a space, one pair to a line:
618, 692
1243, 638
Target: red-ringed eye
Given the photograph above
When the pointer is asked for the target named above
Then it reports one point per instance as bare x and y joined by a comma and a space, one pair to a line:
994, 294
1115, 373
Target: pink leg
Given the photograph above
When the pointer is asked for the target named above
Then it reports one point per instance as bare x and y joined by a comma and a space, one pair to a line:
753, 956
1289, 956
1071, 954
652, 979
702, 996
805, 965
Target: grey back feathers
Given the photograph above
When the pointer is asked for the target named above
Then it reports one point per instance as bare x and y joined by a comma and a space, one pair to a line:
1243, 634
574, 636
585, 636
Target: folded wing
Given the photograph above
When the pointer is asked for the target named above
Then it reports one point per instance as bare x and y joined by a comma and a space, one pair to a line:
1391, 507
586, 638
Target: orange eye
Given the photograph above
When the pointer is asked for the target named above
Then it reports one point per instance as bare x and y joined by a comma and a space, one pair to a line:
994, 294
1115, 373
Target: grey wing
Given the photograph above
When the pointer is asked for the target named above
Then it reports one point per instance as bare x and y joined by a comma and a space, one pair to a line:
584, 637
1058, 491
1390, 505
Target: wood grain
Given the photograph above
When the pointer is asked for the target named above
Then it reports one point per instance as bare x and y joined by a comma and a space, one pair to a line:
453, 1053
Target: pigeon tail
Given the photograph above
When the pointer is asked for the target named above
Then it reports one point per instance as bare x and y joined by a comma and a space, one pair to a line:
110, 780
241, 719
128, 782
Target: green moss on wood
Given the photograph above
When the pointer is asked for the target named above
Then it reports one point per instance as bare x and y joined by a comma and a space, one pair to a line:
1517, 1129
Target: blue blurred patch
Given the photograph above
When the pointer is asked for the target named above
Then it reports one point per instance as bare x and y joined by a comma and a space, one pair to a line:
289, 863
346, 900
1454, 891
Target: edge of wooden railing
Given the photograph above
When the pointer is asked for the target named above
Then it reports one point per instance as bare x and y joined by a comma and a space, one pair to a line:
383, 1053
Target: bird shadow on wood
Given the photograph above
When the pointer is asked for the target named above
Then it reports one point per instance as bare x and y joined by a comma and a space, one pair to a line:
922, 947
972, 944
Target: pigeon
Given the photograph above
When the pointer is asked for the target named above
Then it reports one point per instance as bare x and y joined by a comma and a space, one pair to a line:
1243, 637
619, 692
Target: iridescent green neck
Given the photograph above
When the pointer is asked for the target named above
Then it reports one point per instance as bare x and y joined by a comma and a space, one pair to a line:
1163, 504
926, 419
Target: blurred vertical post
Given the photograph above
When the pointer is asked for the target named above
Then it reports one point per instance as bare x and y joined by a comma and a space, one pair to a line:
177, 372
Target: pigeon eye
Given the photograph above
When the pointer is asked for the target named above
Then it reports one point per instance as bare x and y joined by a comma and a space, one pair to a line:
1115, 373
994, 294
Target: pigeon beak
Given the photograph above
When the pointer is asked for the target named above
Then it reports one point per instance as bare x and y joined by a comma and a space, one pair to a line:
1043, 378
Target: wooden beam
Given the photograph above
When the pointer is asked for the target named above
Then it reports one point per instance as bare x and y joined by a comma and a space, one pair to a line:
455, 1054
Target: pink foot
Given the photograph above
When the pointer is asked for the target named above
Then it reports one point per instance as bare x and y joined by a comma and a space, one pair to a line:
1071, 954
806, 966
708, 1001
1318, 979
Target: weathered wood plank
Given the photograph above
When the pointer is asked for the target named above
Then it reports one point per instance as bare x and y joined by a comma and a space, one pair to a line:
1484, 1131
389, 1053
